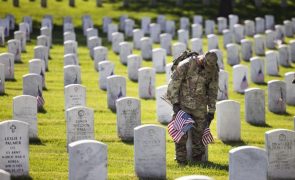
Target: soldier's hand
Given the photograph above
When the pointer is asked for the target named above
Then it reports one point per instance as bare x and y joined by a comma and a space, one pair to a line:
176, 108
209, 117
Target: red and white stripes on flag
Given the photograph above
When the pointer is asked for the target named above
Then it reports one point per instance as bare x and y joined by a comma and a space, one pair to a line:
40, 99
207, 137
177, 125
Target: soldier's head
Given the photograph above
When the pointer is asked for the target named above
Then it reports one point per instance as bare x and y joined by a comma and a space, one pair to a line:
210, 59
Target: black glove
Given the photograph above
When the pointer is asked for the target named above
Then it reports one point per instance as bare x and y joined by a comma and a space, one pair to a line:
209, 117
176, 108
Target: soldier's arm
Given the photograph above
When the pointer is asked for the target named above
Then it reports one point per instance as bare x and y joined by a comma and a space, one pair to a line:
212, 92
174, 84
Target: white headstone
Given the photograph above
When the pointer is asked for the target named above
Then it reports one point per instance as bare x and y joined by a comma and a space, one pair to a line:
116, 89
197, 31
240, 78
198, 19
246, 46
270, 37
145, 24
233, 54
47, 32
168, 72
155, 31
128, 112
21, 36
280, 32
247, 162
75, 95
222, 24
184, 23
80, 123
37, 66
146, 82
177, 49
249, 27
239, 33
163, 109
219, 54
122, 22
280, 149
228, 37
292, 50
14, 47
111, 29
68, 27
137, 35
70, 59
117, 38
233, 19
212, 41
106, 21
183, 36
44, 41
284, 55
165, 42
223, 86
7, 59
88, 159
134, 62
93, 42
197, 45
25, 28
276, 96
161, 20
269, 21
260, 25
255, 106
106, 68
150, 151
4, 175
29, 21
146, 48
125, 51
209, 27
159, 60
272, 63
14, 151
69, 36
288, 25
2, 36
91, 32
41, 52
2, 79
257, 70
72, 74
25, 109
100, 54
290, 88
70, 47
32, 83
259, 44
129, 24
228, 120
170, 28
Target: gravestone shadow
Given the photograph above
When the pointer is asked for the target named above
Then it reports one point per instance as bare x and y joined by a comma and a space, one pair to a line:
128, 142
3, 94
208, 165
42, 110
11, 80
235, 143
260, 125
36, 141
21, 178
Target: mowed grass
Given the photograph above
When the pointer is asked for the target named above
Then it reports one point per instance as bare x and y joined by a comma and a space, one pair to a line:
49, 158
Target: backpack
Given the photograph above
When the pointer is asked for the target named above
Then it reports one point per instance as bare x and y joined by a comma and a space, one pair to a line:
187, 53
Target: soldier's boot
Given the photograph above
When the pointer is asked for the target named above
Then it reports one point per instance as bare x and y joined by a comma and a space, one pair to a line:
182, 162
197, 158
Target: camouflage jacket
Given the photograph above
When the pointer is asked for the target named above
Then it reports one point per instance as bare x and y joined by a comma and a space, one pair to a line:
193, 86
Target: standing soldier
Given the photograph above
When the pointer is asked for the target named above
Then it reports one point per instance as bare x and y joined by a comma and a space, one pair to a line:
193, 87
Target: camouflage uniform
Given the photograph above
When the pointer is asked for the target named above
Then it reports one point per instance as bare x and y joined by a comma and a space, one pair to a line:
194, 87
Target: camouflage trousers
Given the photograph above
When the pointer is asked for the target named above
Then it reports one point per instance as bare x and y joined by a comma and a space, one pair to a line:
197, 146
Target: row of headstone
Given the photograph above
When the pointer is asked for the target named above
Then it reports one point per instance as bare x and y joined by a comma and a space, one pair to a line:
43, 3
273, 162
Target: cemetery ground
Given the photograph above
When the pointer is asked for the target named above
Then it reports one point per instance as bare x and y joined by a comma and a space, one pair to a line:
48, 154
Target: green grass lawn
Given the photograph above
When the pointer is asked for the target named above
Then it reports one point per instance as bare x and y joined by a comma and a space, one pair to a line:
49, 158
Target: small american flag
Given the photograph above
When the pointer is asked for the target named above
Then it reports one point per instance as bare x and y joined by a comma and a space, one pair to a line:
260, 75
176, 126
207, 137
244, 83
40, 99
